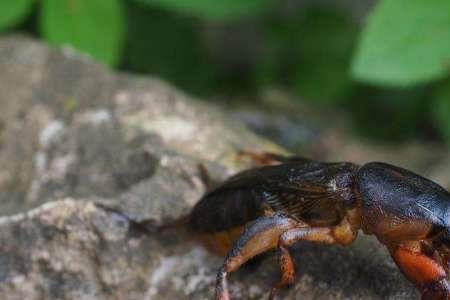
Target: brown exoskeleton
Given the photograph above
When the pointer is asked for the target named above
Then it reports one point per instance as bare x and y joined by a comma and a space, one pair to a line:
274, 206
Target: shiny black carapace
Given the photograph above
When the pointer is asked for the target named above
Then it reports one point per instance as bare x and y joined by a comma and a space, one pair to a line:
289, 199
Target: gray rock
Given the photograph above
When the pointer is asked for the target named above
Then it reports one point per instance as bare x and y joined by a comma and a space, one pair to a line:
91, 162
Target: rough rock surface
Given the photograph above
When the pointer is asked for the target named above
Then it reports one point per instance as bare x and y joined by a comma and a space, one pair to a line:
92, 161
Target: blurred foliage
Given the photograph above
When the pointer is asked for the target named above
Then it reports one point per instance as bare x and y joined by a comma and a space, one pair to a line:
13, 11
92, 26
391, 71
315, 45
405, 45
324, 55
391, 113
441, 109
214, 10
175, 53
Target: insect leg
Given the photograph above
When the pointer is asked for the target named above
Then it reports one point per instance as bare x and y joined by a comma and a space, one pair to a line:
425, 272
260, 236
287, 239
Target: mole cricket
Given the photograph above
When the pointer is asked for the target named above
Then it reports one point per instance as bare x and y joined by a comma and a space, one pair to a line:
290, 198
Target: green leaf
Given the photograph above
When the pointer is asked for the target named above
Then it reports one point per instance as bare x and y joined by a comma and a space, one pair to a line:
95, 27
214, 9
170, 47
13, 11
441, 110
404, 43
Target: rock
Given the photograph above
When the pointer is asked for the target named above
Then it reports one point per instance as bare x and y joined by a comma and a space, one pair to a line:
71, 128
92, 162
76, 249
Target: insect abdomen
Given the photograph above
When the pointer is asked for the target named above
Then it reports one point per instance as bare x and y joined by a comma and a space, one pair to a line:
220, 242
219, 217
224, 210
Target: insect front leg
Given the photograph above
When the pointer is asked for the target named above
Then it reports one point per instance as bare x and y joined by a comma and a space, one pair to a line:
425, 272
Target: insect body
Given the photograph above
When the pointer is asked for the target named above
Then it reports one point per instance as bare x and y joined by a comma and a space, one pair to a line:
274, 206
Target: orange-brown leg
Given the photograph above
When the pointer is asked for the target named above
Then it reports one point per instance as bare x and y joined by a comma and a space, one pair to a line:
425, 272
342, 234
287, 239
260, 236
268, 233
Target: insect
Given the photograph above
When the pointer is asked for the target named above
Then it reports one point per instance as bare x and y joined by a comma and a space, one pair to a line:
291, 199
